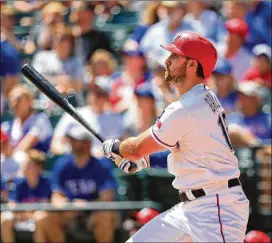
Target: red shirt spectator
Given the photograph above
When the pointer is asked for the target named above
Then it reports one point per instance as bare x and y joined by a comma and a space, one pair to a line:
260, 71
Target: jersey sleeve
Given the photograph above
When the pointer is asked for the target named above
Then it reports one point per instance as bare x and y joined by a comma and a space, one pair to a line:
172, 125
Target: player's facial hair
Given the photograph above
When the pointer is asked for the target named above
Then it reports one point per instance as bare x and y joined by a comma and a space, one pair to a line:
178, 79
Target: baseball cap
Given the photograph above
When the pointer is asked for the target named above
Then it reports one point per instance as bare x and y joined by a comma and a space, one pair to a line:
79, 133
262, 49
131, 48
250, 88
144, 90
257, 236
223, 67
103, 83
195, 46
4, 136
237, 26
146, 214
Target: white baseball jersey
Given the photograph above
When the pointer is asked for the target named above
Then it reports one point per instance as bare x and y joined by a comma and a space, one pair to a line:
195, 131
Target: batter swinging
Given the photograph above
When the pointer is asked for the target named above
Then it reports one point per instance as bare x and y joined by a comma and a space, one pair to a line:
213, 205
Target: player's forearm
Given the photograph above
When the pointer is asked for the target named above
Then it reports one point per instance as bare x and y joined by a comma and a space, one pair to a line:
129, 149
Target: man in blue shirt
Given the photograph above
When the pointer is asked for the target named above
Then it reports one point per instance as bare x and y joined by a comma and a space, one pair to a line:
250, 126
225, 85
80, 178
31, 188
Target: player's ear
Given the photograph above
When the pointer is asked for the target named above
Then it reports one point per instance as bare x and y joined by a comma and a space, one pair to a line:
192, 64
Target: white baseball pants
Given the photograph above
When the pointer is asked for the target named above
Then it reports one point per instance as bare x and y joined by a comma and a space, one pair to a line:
216, 217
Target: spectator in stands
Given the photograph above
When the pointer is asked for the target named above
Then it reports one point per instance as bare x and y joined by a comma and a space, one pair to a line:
233, 50
9, 56
224, 83
80, 178
89, 39
210, 24
150, 17
259, 21
28, 129
7, 23
52, 14
260, 70
28, 6
11, 163
250, 126
33, 187
145, 100
257, 14
164, 93
165, 30
97, 113
60, 65
133, 74
101, 63
234, 9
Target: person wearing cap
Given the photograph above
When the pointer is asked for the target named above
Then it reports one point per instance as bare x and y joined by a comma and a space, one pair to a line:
210, 24
32, 187
88, 38
146, 110
133, 74
60, 65
225, 86
233, 49
97, 112
254, 236
166, 29
202, 159
79, 177
28, 129
250, 126
260, 70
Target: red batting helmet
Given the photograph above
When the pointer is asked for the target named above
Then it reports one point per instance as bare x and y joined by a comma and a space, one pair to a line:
146, 214
197, 47
255, 236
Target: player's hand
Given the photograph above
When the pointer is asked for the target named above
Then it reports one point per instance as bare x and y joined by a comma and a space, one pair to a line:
110, 151
138, 165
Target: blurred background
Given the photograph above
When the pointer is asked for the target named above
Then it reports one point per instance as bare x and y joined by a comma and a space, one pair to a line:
105, 58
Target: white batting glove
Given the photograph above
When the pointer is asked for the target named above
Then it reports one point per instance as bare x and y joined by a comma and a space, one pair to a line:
131, 167
111, 151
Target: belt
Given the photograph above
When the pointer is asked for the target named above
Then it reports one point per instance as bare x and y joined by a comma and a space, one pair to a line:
200, 192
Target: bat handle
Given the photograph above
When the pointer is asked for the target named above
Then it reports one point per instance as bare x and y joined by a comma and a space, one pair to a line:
132, 168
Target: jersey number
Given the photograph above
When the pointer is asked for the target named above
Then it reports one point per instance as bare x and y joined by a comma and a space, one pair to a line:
222, 123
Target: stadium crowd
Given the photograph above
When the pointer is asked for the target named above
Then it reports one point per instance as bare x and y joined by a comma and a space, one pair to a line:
105, 57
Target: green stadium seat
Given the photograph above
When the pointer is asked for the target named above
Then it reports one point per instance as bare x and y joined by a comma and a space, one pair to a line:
160, 189
130, 186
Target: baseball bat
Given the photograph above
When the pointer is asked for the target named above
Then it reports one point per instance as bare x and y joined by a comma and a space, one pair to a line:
53, 94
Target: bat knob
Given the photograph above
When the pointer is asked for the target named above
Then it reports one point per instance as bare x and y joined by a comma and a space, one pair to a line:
132, 168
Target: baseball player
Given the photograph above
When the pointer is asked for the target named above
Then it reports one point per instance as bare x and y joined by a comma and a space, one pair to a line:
213, 205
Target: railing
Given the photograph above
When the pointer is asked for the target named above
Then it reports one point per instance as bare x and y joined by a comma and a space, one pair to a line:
82, 206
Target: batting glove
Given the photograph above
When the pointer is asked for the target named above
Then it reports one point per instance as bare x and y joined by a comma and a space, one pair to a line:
111, 151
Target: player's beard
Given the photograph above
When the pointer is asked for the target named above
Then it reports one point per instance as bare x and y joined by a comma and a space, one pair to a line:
178, 79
